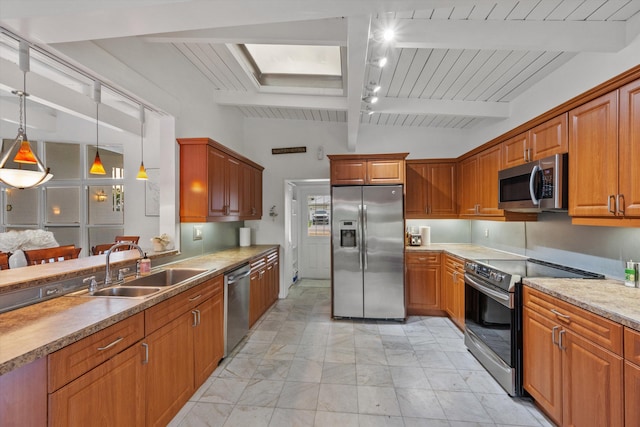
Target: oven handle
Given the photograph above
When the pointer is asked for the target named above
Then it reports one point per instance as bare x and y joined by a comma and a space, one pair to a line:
497, 296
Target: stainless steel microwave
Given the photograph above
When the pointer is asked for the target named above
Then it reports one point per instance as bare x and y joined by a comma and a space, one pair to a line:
535, 186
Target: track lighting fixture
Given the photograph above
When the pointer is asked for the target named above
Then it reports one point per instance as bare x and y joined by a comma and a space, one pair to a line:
142, 172
373, 87
379, 62
370, 99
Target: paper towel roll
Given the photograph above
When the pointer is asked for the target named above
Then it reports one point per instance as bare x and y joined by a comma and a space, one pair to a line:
245, 236
425, 233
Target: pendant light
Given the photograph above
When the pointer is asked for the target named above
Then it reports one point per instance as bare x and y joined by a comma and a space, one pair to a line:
142, 172
96, 167
24, 155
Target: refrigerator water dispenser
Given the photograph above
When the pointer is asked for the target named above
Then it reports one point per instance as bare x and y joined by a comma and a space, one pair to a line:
348, 234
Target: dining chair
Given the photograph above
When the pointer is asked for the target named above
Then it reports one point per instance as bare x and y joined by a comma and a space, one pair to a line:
4, 260
55, 254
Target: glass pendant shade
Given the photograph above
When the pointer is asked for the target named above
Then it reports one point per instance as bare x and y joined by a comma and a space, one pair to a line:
25, 155
97, 168
142, 172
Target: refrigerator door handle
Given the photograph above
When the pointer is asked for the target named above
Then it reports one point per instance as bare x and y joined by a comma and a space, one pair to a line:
360, 242
364, 236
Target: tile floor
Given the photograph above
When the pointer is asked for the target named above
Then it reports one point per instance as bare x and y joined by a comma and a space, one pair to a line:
297, 367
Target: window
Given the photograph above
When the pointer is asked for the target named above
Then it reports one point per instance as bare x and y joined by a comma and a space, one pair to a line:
319, 216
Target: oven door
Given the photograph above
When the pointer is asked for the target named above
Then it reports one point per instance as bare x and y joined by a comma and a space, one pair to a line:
490, 330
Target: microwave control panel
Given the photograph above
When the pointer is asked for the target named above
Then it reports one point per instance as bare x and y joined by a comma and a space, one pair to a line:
547, 183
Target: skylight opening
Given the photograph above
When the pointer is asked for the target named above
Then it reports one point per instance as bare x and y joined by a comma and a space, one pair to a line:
296, 59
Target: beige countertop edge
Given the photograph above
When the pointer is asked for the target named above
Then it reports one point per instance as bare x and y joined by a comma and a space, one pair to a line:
608, 298
465, 251
32, 332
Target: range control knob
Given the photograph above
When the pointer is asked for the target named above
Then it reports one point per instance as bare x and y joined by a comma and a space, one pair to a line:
499, 277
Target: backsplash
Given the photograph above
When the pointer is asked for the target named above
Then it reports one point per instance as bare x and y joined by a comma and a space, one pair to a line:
552, 238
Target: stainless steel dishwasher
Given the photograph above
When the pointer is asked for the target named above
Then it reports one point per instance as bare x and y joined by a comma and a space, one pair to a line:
236, 306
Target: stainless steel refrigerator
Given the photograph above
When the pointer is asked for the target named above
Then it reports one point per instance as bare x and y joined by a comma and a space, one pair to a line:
367, 239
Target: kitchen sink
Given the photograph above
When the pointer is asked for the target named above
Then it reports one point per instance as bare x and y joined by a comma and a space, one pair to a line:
168, 277
125, 291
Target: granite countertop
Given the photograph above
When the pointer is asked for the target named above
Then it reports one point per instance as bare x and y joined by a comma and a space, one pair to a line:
608, 298
465, 251
32, 332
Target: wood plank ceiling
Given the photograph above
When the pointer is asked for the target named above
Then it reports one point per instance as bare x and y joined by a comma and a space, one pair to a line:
495, 52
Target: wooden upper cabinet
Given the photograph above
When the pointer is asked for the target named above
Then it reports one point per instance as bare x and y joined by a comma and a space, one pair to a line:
629, 149
489, 162
430, 190
217, 184
544, 140
367, 169
468, 186
593, 157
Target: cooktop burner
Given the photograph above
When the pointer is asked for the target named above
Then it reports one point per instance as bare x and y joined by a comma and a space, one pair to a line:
504, 274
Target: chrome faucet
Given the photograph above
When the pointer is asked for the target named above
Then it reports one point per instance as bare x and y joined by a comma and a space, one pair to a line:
107, 271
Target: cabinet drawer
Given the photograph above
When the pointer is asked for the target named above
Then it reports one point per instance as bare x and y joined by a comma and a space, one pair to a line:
453, 263
632, 346
422, 258
272, 257
163, 313
597, 329
74, 360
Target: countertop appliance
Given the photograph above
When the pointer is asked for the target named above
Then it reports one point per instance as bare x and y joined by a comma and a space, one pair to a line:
367, 240
493, 313
415, 240
236, 306
535, 186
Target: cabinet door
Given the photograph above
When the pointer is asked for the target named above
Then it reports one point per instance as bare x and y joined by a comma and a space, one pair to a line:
593, 162
549, 138
169, 370
23, 392
385, 172
246, 196
458, 297
488, 167
441, 190
348, 172
631, 394
216, 180
468, 186
629, 179
232, 187
256, 193
423, 284
447, 291
515, 151
542, 363
208, 338
194, 180
112, 394
415, 203
592, 383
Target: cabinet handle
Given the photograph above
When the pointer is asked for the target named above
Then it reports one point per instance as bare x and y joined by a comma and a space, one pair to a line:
560, 340
553, 335
199, 314
525, 154
146, 353
611, 196
195, 318
108, 346
620, 206
195, 298
560, 315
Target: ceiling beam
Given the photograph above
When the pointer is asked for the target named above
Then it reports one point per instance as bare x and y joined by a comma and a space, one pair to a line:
280, 100
551, 36
357, 43
500, 110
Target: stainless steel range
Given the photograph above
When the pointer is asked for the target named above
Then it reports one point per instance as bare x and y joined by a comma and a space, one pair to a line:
493, 312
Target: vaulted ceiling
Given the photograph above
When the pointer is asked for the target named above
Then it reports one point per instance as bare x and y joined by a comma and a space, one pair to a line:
453, 64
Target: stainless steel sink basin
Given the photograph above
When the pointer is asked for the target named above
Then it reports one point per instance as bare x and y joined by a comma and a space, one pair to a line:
168, 277
125, 291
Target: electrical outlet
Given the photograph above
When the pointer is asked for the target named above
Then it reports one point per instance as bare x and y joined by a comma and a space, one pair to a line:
486, 232
197, 232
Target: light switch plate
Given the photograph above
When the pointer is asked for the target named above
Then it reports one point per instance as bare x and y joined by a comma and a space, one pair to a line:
197, 232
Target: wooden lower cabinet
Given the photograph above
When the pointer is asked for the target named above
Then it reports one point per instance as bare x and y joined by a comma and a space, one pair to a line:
423, 283
631, 394
112, 394
23, 395
573, 366
452, 289
170, 370
264, 284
